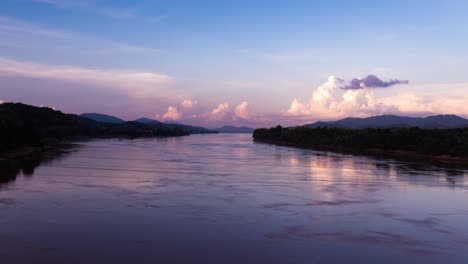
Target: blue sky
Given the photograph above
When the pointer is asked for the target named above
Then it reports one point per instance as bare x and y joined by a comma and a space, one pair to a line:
238, 62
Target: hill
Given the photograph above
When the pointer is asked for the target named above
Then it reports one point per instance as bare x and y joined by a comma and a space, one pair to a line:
24, 125
145, 120
190, 129
389, 121
233, 129
102, 118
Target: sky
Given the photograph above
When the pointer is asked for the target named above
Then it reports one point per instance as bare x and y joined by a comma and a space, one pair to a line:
254, 63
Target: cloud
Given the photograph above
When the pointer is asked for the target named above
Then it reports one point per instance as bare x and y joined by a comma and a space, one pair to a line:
135, 83
59, 38
172, 113
187, 103
222, 114
241, 110
371, 81
331, 101
14, 25
219, 112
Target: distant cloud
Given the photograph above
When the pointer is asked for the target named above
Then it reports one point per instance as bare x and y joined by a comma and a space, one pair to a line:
172, 113
219, 112
14, 25
242, 111
371, 81
187, 103
64, 38
221, 115
135, 83
331, 101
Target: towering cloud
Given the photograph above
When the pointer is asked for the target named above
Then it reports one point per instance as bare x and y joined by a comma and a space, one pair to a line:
241, 110
371, 81
219, 112
337, 99
331, 100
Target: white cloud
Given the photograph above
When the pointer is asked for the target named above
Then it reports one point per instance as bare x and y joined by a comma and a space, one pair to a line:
187, 103
172, 113
242, 111
330, 101
23, 29
136, 84
219, 112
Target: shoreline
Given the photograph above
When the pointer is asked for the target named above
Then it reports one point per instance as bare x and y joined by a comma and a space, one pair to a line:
399, 155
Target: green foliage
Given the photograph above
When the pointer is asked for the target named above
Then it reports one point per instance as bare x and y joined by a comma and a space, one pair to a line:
453, 142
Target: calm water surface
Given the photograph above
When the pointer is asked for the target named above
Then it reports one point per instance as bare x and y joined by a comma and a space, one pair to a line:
224, 199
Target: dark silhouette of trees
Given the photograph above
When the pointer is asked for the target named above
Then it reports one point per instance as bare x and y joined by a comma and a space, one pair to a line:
434, 142
24, 125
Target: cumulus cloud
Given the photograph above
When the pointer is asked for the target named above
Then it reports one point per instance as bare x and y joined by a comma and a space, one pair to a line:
371, 81
187, 103
329, 100
241, 110
135, 83
223, 114
219, 112
172, 113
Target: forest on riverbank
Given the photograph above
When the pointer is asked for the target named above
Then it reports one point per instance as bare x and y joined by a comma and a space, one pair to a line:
443, 144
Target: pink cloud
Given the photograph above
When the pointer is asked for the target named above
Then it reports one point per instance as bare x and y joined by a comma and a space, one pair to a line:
242, 111
137, 84
219, 112
172, 114
187, 103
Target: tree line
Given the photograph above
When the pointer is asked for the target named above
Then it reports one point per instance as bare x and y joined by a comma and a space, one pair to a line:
434, 142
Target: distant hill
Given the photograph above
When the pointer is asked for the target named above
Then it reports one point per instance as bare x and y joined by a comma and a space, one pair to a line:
145, 120
172, 122
387, 121
190, 129
233, 129
24, 125
103, 118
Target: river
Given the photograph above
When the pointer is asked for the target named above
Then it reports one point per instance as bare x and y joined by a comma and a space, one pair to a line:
225, 199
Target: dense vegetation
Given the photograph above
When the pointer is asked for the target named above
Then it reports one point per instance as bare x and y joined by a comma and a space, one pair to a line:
432, 142
24, 125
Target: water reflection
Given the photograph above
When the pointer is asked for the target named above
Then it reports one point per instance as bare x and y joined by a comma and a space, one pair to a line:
224, 199
11, 168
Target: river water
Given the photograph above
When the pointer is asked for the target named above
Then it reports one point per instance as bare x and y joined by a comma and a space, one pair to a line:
225, 199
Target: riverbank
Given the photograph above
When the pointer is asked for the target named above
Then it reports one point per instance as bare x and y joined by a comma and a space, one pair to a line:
443, 147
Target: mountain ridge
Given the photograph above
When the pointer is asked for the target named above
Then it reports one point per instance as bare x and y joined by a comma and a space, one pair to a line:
234, 129
389, 121
102, 118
